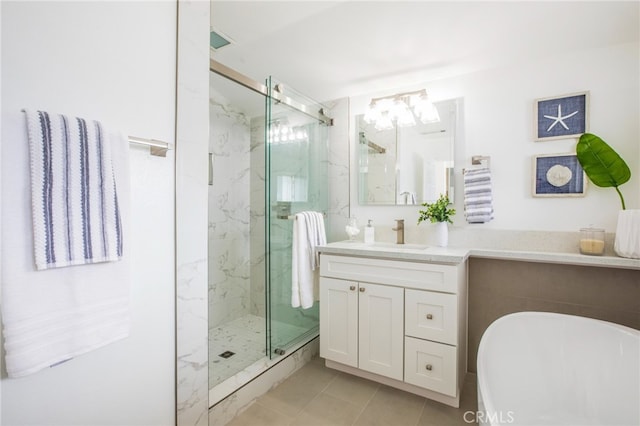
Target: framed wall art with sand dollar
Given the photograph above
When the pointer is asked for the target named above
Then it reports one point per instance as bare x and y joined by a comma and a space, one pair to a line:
561, 117
558, 175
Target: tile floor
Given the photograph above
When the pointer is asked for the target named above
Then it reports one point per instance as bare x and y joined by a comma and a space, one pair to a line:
316, 395
245, 337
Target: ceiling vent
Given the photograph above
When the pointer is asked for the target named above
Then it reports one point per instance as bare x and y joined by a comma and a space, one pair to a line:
217, 41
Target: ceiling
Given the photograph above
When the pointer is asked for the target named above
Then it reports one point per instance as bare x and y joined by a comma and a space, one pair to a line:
333, 49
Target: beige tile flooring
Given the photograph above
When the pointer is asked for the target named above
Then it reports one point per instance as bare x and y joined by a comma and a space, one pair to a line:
317, 395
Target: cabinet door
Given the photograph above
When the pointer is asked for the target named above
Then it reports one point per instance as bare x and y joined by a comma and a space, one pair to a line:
380, 320
339, 321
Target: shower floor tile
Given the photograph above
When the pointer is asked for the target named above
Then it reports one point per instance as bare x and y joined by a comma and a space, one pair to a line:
246, 337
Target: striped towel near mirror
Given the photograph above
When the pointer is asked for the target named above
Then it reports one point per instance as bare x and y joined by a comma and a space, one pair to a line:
478, 198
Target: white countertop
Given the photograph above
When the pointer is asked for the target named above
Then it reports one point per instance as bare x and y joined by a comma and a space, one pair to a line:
416, 252
455, 255
562, 258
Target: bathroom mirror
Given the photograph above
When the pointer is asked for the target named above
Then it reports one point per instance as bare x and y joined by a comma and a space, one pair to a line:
407, 165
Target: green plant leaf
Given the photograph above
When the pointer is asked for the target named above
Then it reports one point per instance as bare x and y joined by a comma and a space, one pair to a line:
603, 165
437, 212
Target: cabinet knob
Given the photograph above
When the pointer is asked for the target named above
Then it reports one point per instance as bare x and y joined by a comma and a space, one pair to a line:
429, 367
352, 287
361, 289
429, 316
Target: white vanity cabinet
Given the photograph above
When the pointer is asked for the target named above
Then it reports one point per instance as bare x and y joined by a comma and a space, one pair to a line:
401, 323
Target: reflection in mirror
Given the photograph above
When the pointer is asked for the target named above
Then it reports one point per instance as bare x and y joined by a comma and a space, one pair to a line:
407, 165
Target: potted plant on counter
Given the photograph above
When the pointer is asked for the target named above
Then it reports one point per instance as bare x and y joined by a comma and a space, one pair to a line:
440, 214
605, 168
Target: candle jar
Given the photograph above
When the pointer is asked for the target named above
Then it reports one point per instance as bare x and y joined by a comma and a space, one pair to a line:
592, 241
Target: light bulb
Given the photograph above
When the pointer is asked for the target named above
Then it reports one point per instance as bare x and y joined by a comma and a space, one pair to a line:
427, 112
406, 119
430, 115
398, 109
372, 114
384, 122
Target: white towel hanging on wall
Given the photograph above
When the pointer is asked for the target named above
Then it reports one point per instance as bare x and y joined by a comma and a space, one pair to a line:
52, 315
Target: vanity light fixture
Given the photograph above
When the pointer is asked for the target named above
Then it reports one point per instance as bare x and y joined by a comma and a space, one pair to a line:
403, 108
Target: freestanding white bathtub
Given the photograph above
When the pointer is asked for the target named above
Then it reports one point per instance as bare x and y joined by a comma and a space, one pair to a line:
537, 368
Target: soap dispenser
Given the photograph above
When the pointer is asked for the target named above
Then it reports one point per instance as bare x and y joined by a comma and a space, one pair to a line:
369, 233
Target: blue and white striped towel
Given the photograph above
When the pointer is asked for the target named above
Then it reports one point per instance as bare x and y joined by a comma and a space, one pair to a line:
478, 198
76, 217
52, 315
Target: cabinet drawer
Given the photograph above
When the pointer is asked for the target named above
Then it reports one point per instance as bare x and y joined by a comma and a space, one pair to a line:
432, 316
430, 365
424, 276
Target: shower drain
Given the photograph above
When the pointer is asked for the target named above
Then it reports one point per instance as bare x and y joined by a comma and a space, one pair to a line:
227, 354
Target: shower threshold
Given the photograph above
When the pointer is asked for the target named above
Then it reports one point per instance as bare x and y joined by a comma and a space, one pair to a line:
233, 383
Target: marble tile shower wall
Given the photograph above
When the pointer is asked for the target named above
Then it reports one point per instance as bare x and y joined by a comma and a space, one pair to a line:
229, 215
281, 228
338, 179
256, 212
338, 208
238, 287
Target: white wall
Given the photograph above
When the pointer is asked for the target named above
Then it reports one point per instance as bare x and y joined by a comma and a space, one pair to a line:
498, 121
112, 61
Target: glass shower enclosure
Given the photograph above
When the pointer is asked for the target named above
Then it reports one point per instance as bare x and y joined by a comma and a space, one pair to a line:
268, 161
297, 167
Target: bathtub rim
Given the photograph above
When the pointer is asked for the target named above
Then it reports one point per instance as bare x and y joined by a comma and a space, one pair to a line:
488, 406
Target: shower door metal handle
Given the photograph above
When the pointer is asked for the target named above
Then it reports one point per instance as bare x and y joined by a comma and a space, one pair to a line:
211, 169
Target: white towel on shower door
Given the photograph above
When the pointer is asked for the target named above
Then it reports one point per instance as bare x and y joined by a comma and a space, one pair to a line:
308, 233
52, 315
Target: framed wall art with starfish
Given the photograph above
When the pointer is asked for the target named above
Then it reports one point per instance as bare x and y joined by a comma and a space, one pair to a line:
561, 117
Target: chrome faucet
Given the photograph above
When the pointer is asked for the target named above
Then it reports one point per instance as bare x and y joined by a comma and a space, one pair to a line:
399, 231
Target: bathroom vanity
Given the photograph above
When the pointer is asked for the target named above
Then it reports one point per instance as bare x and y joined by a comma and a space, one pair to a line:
396, 315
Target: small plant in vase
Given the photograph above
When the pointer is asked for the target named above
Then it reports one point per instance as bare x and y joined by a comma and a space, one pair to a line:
440, 214
605, 168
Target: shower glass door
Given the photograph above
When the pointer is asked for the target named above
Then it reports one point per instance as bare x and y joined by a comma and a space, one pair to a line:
296, 180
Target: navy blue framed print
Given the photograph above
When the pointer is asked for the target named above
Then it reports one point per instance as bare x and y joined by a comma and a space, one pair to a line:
558, 175
561, 117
